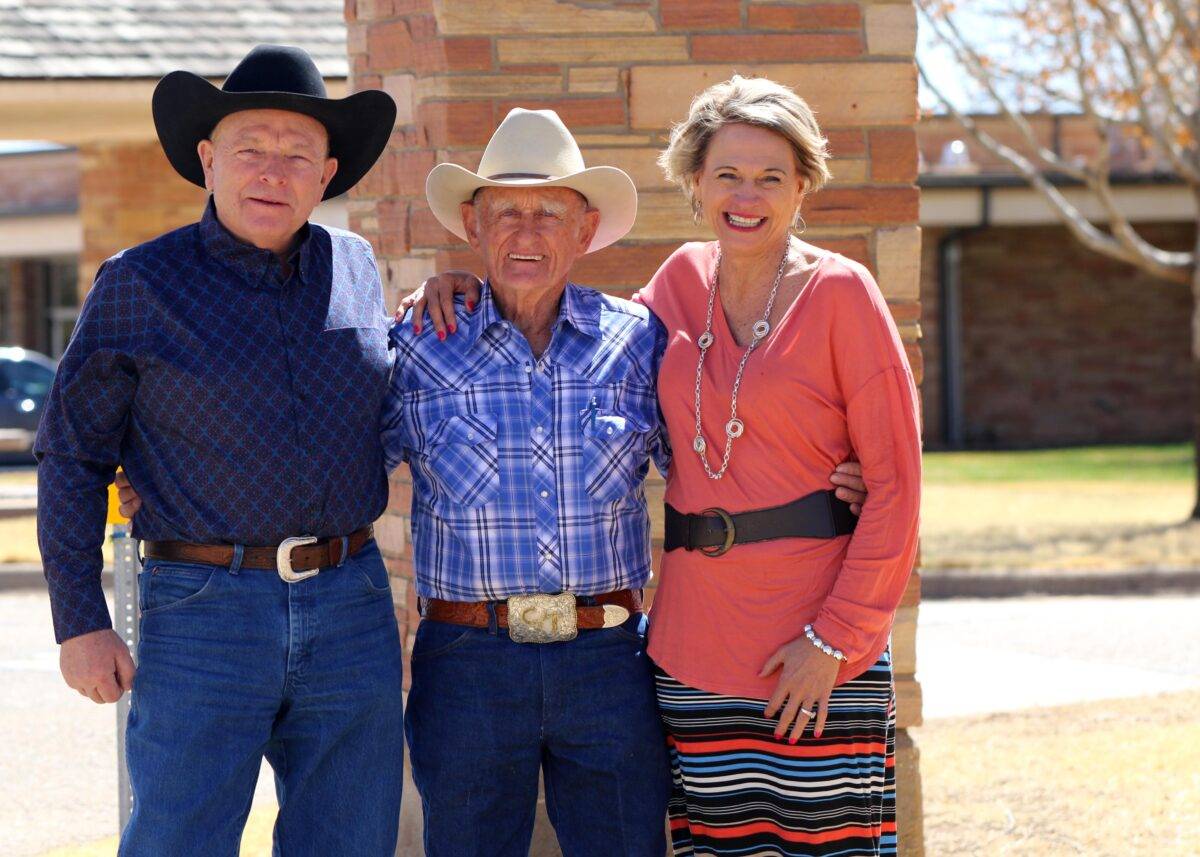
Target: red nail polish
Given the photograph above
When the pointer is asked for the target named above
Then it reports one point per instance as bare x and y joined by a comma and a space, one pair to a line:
416, 328
470, 306
442, 335
454, 328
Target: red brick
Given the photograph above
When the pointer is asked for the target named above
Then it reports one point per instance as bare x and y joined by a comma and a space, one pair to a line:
776, 48
894, 155
408, 170
905, 312
458, 54
456, 123
426, 230
621, 265
851, 248
700, 14
871, 205
846, 143
393, 227
389, 46
575, 112
834, 16
461, 258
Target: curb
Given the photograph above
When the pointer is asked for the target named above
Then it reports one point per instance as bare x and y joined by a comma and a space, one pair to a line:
938, 586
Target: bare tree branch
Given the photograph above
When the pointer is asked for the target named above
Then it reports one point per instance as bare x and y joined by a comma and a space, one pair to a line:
1176, 267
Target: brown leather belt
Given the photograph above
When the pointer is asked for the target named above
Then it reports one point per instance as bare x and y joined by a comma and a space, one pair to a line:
321, 554
475, 613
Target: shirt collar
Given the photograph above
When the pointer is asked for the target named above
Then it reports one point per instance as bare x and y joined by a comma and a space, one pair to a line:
259, 268
579, 307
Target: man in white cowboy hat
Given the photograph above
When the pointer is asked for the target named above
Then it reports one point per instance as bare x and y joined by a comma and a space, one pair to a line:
529, 435
235, 369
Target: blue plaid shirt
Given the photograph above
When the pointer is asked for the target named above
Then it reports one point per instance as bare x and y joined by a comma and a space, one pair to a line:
244, 405
528, 473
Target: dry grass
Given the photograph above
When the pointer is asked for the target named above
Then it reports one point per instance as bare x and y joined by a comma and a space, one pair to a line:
1109, 778
1069, 525
24, 476
18, 541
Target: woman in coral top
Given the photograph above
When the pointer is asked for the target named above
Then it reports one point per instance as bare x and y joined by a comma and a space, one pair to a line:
771, 621
782, 360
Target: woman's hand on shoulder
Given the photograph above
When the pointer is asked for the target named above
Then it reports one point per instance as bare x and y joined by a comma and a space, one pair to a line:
434, 299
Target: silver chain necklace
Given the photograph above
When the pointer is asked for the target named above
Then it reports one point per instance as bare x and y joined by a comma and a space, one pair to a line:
735, 428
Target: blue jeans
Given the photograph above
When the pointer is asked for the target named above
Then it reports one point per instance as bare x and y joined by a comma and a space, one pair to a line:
234, 665
485, 714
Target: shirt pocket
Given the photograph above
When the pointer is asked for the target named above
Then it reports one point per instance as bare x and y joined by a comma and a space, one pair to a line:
614, 454
462, 459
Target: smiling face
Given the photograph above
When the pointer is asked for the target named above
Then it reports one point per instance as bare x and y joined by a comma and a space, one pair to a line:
529, 237
749, 188
267, 170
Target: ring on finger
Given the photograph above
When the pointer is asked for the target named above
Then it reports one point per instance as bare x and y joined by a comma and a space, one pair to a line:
806, 712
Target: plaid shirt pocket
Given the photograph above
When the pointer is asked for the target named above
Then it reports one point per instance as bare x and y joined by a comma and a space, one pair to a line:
463, 459
613, 449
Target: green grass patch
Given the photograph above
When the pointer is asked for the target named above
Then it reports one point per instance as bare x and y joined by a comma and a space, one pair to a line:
1163, 463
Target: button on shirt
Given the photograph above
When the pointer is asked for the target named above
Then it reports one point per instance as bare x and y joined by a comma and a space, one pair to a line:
243, 404
528, 473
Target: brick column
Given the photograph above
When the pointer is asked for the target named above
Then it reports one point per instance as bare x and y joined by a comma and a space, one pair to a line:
620, 73
128, 193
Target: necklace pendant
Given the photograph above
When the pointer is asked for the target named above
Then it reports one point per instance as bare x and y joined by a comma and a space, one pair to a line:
699, 445
705, 340
761, 329
735, 428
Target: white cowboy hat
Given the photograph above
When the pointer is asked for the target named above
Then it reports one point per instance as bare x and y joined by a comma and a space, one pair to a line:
533, 148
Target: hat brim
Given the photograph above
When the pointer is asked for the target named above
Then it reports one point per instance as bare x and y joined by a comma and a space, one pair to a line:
187, 107
607, 189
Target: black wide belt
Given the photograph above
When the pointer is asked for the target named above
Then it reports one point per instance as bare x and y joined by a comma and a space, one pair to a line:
820, 515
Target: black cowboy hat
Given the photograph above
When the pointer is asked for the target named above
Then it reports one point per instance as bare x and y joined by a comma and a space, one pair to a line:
272, 77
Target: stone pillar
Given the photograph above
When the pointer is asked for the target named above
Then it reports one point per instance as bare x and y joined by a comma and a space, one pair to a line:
128, 193
620, 72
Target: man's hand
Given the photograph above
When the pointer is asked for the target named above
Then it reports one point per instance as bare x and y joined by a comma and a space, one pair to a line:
435, 297
97, 665
847, 476
130, 501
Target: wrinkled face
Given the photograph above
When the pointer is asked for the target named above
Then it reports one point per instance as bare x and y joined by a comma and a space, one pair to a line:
267, 170
749, 188
529, 237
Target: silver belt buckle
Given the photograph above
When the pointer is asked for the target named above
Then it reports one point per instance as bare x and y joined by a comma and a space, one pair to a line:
283, 559
542, 618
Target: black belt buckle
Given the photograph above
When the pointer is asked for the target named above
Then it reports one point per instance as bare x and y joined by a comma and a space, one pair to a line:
730, 533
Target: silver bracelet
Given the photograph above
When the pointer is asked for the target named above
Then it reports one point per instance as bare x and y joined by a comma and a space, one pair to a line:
836, 654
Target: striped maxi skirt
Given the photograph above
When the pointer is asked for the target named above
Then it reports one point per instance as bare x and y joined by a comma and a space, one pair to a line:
738, 790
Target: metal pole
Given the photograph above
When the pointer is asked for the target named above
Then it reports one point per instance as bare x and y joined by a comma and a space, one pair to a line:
125, 597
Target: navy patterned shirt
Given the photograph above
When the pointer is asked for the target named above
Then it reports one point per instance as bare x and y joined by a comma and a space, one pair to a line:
243, 404
528, 472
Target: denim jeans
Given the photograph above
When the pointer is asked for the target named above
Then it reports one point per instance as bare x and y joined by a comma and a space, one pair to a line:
234, 665
485, 714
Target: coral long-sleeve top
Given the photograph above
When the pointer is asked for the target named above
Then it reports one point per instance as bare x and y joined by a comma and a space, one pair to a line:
830, 383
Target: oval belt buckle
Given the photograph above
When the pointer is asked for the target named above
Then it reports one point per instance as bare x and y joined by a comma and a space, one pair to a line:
283, 559
730, 533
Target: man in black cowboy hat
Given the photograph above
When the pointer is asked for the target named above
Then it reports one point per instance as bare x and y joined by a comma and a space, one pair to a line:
235, 368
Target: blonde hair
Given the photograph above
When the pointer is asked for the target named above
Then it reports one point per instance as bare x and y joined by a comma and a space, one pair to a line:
750, 101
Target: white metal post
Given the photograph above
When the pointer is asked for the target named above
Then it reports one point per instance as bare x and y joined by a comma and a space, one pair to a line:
125, 597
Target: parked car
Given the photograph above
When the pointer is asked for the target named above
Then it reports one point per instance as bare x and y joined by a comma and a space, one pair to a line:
25, 378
